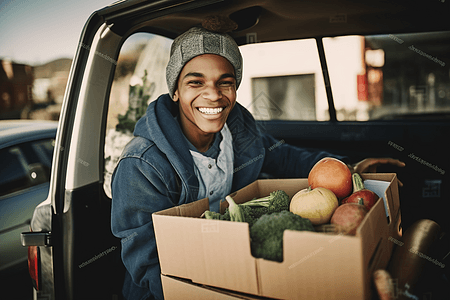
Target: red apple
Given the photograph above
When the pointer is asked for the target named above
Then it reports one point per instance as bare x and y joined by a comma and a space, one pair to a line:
360, 192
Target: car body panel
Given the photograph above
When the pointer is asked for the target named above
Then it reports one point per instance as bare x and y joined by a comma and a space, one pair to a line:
16, 208
20, 131
93, 94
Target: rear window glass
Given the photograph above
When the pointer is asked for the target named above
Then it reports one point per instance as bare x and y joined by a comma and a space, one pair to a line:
13, 173
283, 81
25, 165
391, 76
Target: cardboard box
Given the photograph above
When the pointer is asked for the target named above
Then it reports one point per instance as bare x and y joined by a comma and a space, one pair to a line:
316, 265
181, 289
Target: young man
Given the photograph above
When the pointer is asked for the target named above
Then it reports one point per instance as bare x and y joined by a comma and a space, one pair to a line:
194, 142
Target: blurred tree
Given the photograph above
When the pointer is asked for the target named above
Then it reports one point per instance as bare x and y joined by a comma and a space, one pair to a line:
138, 102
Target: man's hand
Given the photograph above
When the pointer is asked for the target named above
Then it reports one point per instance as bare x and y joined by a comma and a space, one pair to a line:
369, 165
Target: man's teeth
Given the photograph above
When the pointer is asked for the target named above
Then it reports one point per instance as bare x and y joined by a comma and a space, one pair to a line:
210, 111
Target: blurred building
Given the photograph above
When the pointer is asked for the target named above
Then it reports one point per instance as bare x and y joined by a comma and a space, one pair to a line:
32, 92
49, 86
16, 82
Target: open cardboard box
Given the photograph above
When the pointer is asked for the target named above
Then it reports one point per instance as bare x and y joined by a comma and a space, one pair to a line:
317, 265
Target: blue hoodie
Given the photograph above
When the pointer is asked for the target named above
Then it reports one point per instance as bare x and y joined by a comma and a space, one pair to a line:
156, 172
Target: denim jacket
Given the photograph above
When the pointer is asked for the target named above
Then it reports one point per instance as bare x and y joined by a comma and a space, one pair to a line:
156, 172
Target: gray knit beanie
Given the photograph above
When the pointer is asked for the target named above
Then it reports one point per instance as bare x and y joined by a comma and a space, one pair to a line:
197, 41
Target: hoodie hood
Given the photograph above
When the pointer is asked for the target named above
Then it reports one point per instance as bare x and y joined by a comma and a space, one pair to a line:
158, 123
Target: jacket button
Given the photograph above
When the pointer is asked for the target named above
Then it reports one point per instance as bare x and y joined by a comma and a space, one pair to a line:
209, 166
210, 193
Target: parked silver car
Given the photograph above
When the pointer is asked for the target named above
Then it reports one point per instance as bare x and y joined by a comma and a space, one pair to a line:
26, 151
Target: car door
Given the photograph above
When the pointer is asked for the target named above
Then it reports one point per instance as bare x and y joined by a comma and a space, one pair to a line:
24, 183
85, 256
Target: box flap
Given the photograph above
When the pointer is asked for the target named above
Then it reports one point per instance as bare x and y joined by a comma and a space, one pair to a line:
376, 227
390, 196
193, 209
312, 263
373, 233
379, 188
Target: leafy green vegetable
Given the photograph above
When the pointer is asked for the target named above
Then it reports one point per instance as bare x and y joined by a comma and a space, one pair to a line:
251, 214
277, 201
211, 215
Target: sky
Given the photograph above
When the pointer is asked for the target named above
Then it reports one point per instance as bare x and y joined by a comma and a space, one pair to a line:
38, 31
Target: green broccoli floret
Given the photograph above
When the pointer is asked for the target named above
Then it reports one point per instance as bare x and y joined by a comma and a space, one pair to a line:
267, 233
212, 215
248, 217
226, 215
257, 212
251, 214
254, 213
277, 201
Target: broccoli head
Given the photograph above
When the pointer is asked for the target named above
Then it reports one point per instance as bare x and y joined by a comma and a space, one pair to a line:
252, 210
226, 215
277, 201
211, 215
257, 212
267, 233
251, 214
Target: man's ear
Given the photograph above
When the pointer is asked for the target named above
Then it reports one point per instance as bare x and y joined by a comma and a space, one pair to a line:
175, 96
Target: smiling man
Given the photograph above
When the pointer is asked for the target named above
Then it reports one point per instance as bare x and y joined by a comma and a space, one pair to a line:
206, 93
192, 143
